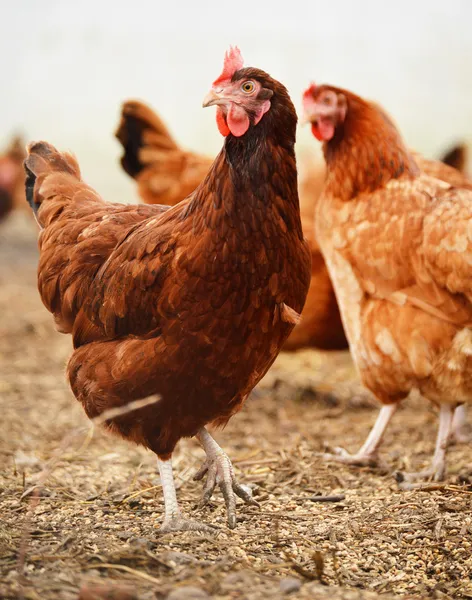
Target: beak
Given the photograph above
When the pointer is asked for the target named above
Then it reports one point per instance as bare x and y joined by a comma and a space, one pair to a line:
213, 98
308, 117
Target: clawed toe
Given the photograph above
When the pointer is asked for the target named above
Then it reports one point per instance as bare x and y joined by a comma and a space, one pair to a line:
422, 479
358, 460
219, 471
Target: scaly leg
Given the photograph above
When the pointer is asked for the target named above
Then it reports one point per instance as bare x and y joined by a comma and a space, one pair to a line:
367, 455
461, 428
220, 471
173, 520
437, 470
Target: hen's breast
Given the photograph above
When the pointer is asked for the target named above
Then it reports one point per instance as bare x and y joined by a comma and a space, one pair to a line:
224, 308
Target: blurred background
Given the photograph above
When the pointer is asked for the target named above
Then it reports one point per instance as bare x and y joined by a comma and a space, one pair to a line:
67, 66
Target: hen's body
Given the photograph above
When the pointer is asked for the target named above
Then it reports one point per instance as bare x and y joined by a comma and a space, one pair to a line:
406, 311
191, 303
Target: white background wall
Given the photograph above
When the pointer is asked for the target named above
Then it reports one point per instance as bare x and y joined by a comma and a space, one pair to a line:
66, 66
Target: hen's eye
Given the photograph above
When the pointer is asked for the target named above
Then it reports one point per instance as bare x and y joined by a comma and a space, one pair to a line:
248, 87
327, 100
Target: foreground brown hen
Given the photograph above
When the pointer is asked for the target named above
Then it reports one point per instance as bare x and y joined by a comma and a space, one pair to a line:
190, 303
397, 244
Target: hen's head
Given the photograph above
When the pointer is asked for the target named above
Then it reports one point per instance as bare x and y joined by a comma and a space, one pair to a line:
325, 108
242, 95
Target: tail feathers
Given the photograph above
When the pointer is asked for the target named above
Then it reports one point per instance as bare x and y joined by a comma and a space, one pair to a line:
42, 160
456, 157
141, 132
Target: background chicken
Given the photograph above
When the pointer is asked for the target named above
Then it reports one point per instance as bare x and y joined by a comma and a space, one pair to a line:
192, 303
12, 189
396, 244
165, 173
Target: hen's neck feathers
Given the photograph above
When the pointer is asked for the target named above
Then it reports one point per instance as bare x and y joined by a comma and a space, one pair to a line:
255, 175
366, 152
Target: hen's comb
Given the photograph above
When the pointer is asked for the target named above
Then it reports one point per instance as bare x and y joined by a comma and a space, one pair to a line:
310, 91
233, 62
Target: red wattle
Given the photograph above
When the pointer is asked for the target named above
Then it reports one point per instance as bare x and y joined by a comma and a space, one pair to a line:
221, 122
323, 129
237, 120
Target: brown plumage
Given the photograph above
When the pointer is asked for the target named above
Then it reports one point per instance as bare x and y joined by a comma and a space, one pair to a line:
193, 302
397, 245
12, 177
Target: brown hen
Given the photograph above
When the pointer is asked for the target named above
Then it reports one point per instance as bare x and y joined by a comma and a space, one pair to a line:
12, 178
191, 303
397, 245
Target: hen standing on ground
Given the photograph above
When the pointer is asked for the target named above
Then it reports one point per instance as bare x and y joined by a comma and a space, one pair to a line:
192, 303
397, 245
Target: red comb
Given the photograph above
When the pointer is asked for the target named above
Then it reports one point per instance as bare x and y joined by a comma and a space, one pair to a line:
310, 91
233, 62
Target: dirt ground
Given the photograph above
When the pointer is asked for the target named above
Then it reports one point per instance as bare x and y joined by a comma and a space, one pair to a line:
99, 500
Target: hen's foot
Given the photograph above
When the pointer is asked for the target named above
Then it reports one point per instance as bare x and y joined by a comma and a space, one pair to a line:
358, 460
367, 456
219, 471
179, 523
421, 479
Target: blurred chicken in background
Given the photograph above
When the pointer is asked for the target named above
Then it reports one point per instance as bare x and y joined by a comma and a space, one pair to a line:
12, 177
398, 250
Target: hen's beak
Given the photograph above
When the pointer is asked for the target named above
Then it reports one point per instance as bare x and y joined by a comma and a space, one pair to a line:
214, 98
308, 116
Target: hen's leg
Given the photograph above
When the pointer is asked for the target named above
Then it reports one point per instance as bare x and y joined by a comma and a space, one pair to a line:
219, 470
461, 428
173, 520
437, 470
367, 455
